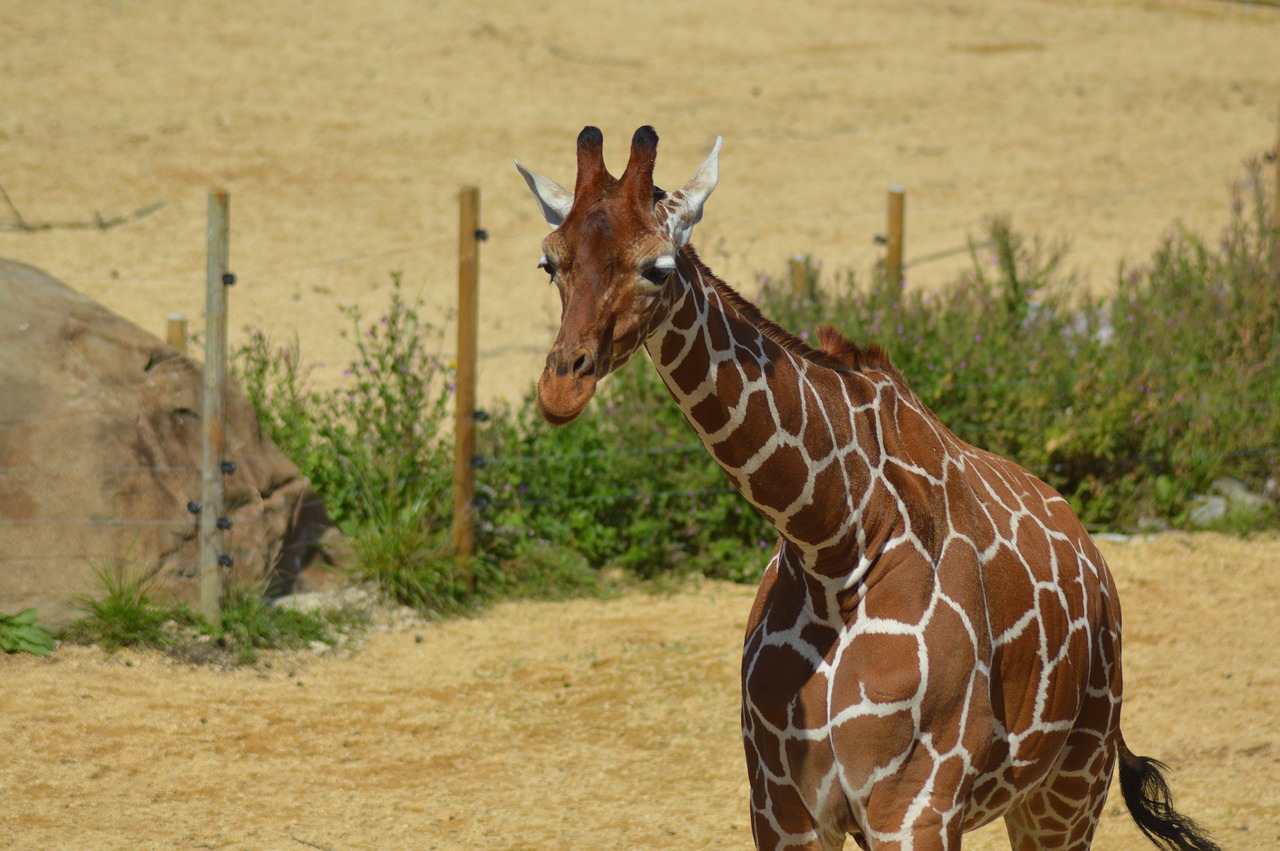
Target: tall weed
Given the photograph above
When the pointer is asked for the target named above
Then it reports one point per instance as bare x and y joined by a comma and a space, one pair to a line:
376, 447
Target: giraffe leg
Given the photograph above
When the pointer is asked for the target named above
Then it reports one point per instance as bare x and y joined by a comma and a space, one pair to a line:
776, 829
929, 830
780, 821
1062, 813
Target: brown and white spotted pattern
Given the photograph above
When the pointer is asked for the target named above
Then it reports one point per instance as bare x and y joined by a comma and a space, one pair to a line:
936, 640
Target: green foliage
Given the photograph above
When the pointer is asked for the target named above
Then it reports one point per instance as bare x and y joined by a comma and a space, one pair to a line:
538, 570
250, 624
21, 633
124, 611
375, 447
627, 484
127, 610
1129, 405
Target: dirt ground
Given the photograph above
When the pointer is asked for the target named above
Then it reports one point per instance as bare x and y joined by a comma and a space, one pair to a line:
344, 131
586, 724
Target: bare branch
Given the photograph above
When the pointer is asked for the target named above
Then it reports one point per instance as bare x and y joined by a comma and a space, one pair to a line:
98, 222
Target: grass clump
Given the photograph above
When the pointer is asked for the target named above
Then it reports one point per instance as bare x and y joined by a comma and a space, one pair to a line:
250, 624
126, 610
129, 609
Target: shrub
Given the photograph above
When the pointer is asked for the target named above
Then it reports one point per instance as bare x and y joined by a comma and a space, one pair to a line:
375, 447
1130, 404
627, 484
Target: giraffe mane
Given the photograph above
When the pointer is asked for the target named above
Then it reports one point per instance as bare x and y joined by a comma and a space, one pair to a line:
836, 352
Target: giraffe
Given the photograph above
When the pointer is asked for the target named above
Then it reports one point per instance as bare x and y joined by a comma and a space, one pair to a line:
935, 642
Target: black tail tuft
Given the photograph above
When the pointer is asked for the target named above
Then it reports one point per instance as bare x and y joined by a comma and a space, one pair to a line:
1150, 802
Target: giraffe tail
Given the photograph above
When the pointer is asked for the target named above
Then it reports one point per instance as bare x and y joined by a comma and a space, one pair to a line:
1149, 801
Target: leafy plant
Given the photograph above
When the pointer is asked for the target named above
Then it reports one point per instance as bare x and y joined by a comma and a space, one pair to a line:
375, 447
1130, 405
22, 633
626, 485
250, 624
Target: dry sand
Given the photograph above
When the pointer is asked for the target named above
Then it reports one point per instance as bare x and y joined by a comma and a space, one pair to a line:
586, 724
344, 131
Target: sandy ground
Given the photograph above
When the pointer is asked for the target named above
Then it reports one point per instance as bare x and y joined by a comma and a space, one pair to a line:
344, 131
585, 724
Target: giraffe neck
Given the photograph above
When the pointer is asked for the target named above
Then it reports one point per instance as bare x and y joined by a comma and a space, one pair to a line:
763, 408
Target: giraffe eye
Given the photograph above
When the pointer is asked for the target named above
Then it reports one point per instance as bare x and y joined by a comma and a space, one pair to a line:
659, 270
547, 266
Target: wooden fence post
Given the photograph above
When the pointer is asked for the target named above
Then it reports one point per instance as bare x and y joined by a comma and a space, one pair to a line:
212, 523
897, 234
1275, 208
176, 332
464, 470
799, 266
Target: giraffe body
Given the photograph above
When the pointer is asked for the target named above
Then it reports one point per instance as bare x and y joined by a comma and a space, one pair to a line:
906, 574
936, 640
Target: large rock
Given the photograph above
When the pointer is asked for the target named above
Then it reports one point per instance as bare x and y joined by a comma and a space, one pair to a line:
100, 445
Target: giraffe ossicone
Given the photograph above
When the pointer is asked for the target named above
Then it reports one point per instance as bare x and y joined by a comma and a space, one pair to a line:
935, 642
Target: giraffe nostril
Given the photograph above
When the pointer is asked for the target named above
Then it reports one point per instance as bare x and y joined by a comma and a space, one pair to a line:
584, 365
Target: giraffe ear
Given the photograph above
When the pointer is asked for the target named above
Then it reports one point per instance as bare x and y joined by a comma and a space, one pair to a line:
685, 207
553, 198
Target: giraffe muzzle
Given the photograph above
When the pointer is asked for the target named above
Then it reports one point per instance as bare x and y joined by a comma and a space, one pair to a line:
568, 382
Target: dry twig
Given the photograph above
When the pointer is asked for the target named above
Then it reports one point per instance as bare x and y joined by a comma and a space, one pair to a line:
20, 223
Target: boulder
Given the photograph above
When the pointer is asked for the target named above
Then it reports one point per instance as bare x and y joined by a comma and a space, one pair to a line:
100, 449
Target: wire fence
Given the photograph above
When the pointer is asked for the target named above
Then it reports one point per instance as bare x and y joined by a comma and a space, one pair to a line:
83, 477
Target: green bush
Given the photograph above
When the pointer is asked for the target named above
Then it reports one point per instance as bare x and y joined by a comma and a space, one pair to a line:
627, 484
375, 447
1130, 404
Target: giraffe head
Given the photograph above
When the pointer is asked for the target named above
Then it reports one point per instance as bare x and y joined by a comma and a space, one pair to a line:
612, 255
